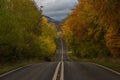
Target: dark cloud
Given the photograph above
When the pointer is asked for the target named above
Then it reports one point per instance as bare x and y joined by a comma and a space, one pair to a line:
57, 9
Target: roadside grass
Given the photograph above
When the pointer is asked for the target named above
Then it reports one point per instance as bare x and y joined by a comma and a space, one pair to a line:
112, 63
6, 67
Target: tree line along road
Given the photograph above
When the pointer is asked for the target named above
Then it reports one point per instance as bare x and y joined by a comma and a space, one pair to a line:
61, 69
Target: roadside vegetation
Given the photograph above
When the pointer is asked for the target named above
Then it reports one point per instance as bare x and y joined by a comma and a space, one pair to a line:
92, 32
112, 63
25, 35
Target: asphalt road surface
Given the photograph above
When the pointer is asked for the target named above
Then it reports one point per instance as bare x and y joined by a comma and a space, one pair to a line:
61, 69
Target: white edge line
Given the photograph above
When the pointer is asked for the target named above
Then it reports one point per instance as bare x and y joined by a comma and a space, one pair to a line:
62, 66
62, 71
56, 72
104, 67
7, 73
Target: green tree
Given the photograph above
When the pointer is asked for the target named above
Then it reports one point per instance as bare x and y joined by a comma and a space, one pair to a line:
19, 28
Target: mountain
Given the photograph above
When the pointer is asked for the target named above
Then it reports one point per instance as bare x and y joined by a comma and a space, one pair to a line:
50, 20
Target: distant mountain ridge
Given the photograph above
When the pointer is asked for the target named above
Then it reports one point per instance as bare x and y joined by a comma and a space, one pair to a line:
50, 20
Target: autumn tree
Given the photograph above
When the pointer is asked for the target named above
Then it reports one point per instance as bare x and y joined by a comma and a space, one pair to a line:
48, 39
87, 32
109, 13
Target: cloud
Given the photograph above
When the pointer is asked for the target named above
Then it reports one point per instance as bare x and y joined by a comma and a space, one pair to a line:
56, 9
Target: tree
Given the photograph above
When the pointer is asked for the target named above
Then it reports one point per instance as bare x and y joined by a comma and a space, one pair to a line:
109, 14
87, 38
48, 39
19, 29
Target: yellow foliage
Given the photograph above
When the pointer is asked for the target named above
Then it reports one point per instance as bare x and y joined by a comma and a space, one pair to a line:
67, 33
47, 44
44, 20
47, 38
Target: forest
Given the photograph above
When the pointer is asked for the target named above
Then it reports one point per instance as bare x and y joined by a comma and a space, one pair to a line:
93, 29
25, 33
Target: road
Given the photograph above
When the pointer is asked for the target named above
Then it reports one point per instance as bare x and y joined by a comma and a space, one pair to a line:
61, 69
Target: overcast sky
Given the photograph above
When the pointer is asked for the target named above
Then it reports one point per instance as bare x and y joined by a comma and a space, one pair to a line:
56, 9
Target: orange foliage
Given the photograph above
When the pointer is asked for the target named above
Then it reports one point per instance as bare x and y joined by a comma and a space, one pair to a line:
97, 21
